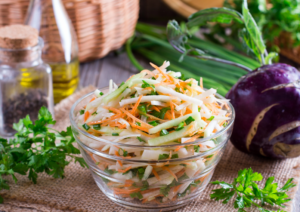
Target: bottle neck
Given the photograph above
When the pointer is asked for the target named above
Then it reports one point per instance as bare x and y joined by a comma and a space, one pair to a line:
28, 57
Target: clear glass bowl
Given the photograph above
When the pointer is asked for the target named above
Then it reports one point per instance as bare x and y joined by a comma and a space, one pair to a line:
193, 170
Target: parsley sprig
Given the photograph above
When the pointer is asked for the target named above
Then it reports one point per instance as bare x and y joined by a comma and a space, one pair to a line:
247, 193
35, 149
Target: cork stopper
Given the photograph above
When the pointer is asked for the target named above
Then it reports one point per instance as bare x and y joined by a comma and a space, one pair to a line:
18, 36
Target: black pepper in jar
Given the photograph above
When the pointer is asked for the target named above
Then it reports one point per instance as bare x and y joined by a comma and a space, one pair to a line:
19, 106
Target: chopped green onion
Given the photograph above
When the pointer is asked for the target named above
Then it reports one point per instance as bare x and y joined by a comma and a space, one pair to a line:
174, 156
211, 118
108, 171
197, 148
94, 113
141, 140
138, 123
199, 109
101, 93
163, 112
142, 109
137, 195
97, 126
209, 156
122, 152
86, 127
180, 126
163, 156
225, 124
115, 134
153, 123
81, 112
189, 120
122, 83
164, 132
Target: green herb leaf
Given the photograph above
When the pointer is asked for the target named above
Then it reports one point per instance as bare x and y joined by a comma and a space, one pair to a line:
97, 126
248, 193
153, 123
36, 148
253, 29
211, 118
86, 127
163, 112
180, 126
163, 156
189, 120
141, 140
220, 15
164, 132
174, 156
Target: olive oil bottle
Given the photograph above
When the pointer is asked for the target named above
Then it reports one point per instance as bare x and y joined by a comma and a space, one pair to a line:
60, 50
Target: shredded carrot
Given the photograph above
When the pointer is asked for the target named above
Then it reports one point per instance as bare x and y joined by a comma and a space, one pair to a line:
194, 138
125, 191
117, 153
155, 174
145, 200
136, 104
106, 120
170, 155
86, 115
149, 190
148, 72
115, 110
124, 170
95, 131
120, 163
155, 108
93, 99
139, 127
169, 170
172, 109
188, 111
136, 119
178, 148
168, 115
180, 173
160, 71
176, 188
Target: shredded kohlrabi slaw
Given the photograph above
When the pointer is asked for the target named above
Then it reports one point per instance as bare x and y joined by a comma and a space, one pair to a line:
153, 108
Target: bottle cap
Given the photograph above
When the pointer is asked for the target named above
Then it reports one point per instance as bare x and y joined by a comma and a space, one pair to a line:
18, 36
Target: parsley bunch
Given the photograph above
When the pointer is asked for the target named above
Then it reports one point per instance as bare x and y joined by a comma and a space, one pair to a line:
247, 193
34, 150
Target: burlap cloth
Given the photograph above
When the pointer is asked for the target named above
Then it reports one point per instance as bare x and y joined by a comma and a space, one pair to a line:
78, 191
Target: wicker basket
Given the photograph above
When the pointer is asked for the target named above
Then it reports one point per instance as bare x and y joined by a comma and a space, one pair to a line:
100, 25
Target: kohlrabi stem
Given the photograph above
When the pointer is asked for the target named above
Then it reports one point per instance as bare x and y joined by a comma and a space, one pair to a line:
262, 59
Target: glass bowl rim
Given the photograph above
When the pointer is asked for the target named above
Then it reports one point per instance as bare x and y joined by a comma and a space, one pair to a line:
198, 141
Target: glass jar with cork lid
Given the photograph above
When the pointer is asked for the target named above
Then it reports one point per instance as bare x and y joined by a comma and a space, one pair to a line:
25, 80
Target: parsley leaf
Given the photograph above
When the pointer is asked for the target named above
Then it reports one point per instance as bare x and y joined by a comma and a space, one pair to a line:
247, 193
36, 148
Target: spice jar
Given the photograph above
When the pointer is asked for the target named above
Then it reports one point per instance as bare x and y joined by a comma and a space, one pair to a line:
60, 51
25, 81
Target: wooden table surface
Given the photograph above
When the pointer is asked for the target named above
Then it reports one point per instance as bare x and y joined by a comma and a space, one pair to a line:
118, 68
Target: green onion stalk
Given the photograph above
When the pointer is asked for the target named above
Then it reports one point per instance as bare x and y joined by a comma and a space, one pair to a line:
150, 41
